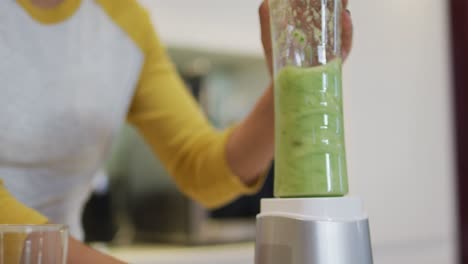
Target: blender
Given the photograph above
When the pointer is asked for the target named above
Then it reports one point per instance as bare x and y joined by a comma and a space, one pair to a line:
310, 220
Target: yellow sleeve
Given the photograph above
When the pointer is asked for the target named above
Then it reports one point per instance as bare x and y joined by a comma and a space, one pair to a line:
13, 212
171, 122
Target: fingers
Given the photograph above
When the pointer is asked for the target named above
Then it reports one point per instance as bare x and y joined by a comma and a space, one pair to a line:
345, 4
347, 35
264, 14
264, 6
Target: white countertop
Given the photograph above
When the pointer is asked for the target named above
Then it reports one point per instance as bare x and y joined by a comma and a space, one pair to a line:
163, 254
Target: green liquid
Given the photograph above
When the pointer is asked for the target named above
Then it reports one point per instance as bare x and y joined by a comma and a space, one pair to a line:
310, 158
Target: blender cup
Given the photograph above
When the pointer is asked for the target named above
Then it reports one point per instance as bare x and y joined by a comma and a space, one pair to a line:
310, 158
316, 223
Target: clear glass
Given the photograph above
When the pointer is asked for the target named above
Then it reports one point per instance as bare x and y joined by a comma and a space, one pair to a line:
33, 244
310, 156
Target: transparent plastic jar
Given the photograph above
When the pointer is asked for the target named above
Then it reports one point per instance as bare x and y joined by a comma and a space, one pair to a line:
33, 244
310, 156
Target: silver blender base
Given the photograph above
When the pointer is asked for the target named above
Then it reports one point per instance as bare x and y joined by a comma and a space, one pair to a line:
299, 237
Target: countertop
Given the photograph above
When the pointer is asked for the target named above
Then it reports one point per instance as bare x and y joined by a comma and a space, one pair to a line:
163, 254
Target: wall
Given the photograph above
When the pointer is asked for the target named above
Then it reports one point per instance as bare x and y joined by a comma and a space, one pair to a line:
215, 25
399, 130
397, 105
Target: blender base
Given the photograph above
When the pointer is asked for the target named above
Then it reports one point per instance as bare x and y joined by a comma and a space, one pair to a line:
313, 231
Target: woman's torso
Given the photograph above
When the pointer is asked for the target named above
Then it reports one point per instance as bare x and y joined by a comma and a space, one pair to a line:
65, 91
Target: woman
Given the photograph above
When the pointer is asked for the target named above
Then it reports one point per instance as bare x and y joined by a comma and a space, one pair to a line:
71, 72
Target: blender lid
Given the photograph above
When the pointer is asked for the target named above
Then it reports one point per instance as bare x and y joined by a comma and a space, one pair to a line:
318, 209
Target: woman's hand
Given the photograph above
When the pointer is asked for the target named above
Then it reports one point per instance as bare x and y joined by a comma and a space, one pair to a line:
347, 32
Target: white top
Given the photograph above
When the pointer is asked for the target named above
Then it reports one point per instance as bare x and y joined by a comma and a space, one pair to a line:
65, 92
320, 209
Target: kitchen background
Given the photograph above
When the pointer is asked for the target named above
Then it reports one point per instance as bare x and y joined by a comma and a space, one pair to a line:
400, 143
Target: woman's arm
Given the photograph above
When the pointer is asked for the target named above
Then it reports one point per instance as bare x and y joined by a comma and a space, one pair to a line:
164, 112
210, 166
250, 147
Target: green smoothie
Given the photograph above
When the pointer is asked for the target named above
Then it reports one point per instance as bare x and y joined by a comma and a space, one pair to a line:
310, 159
